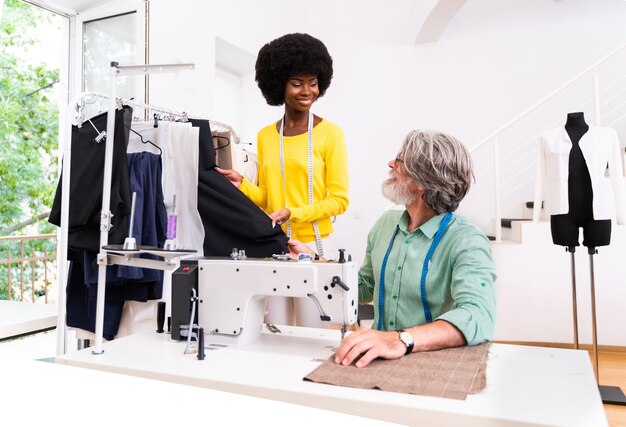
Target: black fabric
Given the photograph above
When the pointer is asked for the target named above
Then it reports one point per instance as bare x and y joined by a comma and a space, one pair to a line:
86, 178
81, 300
123, 283
565, 228
230, 219
82, 293
206, 160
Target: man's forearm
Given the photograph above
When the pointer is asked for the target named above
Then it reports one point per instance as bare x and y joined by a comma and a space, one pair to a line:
435, 336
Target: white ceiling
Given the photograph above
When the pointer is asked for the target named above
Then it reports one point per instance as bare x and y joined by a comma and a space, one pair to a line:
69, 7
434, 15
81, 5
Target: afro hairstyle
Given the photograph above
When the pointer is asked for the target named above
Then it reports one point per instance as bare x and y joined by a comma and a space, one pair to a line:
288, 56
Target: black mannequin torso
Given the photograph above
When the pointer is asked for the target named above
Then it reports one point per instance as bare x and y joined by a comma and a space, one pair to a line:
580, 197
576, 126
580, 193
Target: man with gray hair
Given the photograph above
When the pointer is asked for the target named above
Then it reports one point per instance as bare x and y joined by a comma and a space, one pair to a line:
428, 272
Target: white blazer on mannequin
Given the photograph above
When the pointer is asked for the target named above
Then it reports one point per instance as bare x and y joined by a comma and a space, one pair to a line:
600, 147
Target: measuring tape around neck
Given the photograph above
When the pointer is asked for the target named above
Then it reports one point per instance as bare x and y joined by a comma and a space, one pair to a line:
318, 238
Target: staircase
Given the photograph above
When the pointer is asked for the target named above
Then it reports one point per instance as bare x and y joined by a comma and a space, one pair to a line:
534, 283
505, 162
511, 227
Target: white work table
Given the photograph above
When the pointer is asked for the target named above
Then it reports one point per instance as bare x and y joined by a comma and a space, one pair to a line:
526, 386
49, 394
20, 318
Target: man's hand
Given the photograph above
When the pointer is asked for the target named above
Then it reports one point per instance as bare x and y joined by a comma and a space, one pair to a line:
280, 216
370, 344
233, 176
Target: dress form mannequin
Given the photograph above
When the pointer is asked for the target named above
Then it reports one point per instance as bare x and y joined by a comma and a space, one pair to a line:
565, 227
580, 214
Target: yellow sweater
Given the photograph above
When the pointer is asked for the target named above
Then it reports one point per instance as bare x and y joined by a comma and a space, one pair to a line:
330, 178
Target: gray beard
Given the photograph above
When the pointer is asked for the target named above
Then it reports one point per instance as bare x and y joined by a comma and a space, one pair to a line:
396, 192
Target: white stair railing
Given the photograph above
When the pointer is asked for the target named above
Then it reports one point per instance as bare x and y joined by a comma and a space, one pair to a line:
493, 137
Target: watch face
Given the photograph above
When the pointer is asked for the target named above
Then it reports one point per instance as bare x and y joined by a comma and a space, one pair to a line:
406, 338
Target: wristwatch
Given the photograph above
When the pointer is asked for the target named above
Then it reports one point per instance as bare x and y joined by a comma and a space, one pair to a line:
407, 339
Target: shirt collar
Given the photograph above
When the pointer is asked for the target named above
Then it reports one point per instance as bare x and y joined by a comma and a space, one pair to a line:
428, 229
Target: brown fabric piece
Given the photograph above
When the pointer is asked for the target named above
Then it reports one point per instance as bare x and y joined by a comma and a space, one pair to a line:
451, 373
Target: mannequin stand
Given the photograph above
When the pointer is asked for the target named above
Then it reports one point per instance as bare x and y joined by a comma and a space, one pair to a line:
572, 250
609, 394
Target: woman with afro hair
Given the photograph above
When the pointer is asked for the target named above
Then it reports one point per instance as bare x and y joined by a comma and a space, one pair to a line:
303, 165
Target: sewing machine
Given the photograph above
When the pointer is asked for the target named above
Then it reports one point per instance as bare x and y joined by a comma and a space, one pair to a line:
230, 294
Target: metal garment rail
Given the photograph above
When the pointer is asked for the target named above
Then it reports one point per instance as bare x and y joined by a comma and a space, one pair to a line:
105, 217
215, 125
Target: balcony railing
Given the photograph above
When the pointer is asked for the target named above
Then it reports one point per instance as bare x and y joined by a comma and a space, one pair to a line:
27, 267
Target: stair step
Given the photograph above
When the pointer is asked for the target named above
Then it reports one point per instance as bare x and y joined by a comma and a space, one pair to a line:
531, 205
506, 240
506, 222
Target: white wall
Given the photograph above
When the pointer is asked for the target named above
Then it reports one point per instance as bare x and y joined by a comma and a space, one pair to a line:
185, 31
496, 58
534, 288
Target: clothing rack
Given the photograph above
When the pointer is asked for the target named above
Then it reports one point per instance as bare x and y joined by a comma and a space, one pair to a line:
107, 256
166, 114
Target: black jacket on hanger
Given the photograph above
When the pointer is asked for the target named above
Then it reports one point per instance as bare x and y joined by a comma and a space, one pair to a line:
86, 178
230, 219
86, 184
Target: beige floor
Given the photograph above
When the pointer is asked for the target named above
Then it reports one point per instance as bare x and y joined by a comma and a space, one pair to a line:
612, 368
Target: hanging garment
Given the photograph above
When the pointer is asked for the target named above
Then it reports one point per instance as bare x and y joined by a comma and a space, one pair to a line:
81, 300
247, 164
150, 220
82, 294
180, 180
123, 283
178, 142
86, 178
230, 219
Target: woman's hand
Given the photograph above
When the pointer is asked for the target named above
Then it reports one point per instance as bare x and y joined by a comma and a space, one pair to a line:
297, 247
233, 176
280, 216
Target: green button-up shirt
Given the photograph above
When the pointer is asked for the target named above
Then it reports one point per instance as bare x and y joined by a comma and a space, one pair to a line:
460, 281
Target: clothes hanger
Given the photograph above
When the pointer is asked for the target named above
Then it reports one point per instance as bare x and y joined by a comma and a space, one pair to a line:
147, 141
101, 135
219, 147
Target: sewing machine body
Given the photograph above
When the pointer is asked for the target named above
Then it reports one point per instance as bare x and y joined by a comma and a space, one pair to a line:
232, 293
